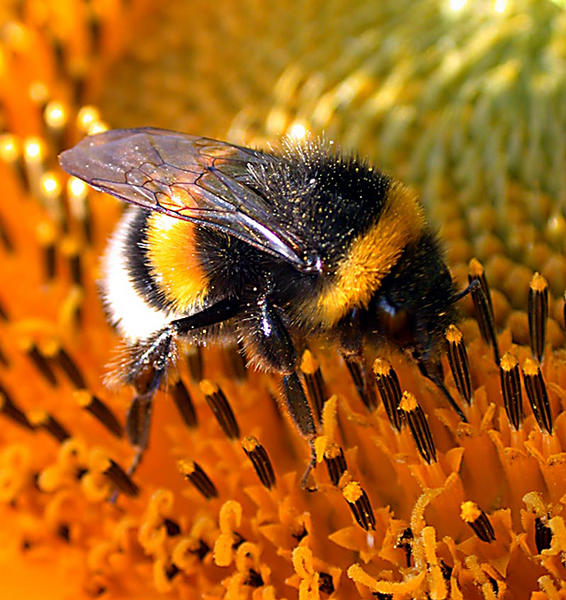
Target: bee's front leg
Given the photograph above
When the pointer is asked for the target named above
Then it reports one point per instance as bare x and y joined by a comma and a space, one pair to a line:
148, 364
147, 369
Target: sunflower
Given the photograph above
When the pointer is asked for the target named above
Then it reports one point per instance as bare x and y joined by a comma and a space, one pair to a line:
462, 100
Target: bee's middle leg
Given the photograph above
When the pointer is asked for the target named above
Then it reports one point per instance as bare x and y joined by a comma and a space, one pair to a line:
266, 334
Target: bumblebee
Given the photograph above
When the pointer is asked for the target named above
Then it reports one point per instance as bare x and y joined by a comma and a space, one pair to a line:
267, 248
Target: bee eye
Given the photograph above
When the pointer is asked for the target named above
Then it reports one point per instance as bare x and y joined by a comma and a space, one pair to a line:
393, 321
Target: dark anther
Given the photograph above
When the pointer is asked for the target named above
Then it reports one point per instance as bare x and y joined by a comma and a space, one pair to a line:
364, 385
218, 403
325, 583
100, 411
314, 382
335, 462
171, 571
9, 409
260, 460
195, 474
478, 521
405, 542
415, 417
195, 363
184, 403
483, 306
236, 360
70, 368
389, 390
459, 364
121, 479
172, 527
511, 389
538, 314
254, 579
42, 364
48, 422
537, 395
543, 535
359, 504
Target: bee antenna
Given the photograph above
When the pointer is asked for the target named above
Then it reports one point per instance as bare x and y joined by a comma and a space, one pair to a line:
475, 283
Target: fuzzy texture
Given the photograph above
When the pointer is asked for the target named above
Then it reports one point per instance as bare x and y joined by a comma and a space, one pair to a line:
307, 242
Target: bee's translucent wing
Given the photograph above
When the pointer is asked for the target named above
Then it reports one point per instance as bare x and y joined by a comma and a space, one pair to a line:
187, 177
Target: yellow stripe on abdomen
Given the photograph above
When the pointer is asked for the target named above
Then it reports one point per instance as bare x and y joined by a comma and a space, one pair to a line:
174, 263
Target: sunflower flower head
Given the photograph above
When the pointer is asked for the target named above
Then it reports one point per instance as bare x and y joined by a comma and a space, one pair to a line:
406, 499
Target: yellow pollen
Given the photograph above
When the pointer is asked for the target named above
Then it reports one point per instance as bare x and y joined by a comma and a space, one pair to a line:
329, 422
308, 363
83, 398
320, 446
475, 268
381, 367
207, 387
250, 443
37, 417
530, 367
538, 283
49, 347
332, 451
508, 362
469, 511
408, 402
352, 492
186, 467
535, 503
453, 334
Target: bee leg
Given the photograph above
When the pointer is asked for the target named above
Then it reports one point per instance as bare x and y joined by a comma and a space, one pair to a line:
266, 333
221, 311
432, 369
138, 419
351, 348
138, 422
149, 368
301, 414
150, 365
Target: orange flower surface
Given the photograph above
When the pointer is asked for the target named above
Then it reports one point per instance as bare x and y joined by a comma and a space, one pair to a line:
463, 100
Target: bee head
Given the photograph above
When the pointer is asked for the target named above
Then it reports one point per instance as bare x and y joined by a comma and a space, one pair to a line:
415, 303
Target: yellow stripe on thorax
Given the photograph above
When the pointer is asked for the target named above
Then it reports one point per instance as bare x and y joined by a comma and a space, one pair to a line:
173, 261
372, 256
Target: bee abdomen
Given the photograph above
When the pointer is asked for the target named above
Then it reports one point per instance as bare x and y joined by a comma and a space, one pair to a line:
130, 293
